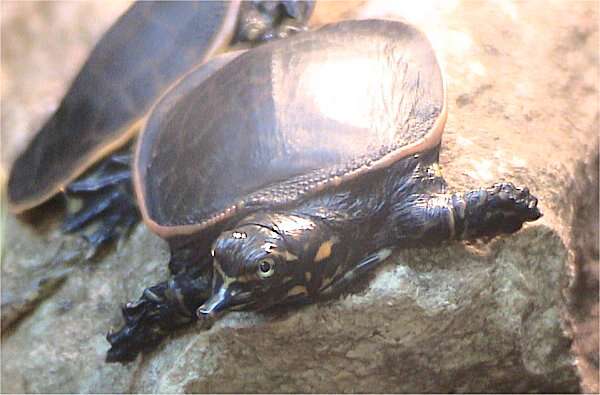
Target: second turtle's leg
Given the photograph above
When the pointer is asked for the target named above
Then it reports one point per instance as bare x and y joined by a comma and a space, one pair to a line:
162, 309
108, 204
432, 218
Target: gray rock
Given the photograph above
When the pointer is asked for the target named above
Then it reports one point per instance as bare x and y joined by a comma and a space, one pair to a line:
457, 318
464, 318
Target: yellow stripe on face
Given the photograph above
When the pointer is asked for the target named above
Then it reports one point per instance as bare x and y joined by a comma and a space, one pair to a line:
226, 279
297, 290
324, 250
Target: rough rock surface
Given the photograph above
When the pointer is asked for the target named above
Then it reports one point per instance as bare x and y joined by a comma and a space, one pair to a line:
523, 91
582, 206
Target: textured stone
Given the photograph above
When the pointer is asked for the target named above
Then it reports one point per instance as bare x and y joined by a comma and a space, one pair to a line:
522, 92
581, 206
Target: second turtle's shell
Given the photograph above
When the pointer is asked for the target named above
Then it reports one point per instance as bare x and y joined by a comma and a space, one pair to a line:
150, 47
286, 120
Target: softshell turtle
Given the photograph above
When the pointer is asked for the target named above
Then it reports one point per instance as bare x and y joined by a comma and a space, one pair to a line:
150, 47
283, 173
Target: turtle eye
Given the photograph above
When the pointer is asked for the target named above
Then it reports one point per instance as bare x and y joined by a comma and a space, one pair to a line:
266, 268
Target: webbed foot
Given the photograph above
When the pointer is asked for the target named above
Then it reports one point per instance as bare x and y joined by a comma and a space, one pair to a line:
162, 309
108, 202
503, 208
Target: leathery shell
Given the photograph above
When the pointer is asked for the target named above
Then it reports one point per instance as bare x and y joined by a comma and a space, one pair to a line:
151, 46
287, 120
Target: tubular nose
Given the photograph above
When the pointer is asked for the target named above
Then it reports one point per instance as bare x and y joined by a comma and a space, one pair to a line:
205, 311
216, 304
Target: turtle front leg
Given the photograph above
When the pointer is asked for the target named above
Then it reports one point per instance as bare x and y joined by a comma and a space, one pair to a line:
162, 309
432, 218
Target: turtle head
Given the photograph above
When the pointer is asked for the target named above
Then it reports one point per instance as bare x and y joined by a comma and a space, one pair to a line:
262, 262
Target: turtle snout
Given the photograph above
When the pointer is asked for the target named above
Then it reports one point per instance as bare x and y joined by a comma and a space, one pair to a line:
215, 305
